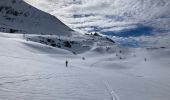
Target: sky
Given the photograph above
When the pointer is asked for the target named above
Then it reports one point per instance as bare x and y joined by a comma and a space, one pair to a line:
105, 15
122, 18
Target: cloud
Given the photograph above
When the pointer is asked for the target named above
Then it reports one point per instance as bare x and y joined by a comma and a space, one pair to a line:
99, 12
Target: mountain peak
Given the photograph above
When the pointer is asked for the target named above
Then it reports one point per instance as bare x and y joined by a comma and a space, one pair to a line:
21, 17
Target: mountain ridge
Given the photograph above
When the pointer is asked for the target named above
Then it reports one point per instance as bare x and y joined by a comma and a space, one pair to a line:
19, 16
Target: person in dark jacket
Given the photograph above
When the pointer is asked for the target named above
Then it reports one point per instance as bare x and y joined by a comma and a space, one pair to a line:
145, 59
66, 63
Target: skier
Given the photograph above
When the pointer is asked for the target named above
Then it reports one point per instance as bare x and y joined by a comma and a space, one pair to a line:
66, 63
145, 59
83, 58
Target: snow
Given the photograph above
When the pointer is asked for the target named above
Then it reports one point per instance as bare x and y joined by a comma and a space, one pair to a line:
31, 70
33, 64
31, 75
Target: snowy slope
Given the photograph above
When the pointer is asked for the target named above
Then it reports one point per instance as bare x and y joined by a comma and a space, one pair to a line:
18, 16
33, 65
76, 43
36, 72
32, 70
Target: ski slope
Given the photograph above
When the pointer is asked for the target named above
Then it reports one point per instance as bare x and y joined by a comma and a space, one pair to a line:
35, 71
33, 64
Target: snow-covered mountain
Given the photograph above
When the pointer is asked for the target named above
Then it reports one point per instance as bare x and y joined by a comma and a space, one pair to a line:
16, 16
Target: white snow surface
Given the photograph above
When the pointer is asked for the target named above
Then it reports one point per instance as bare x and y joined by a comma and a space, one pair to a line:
98, 68
33, 71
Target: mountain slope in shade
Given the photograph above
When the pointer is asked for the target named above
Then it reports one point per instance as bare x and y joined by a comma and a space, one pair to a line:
18, 16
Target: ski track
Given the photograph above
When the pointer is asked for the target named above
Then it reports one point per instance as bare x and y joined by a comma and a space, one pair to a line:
36, 77
21, 58
111, 91
18, 79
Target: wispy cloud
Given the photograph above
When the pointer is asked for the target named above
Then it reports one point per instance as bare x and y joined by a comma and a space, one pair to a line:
105, 14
